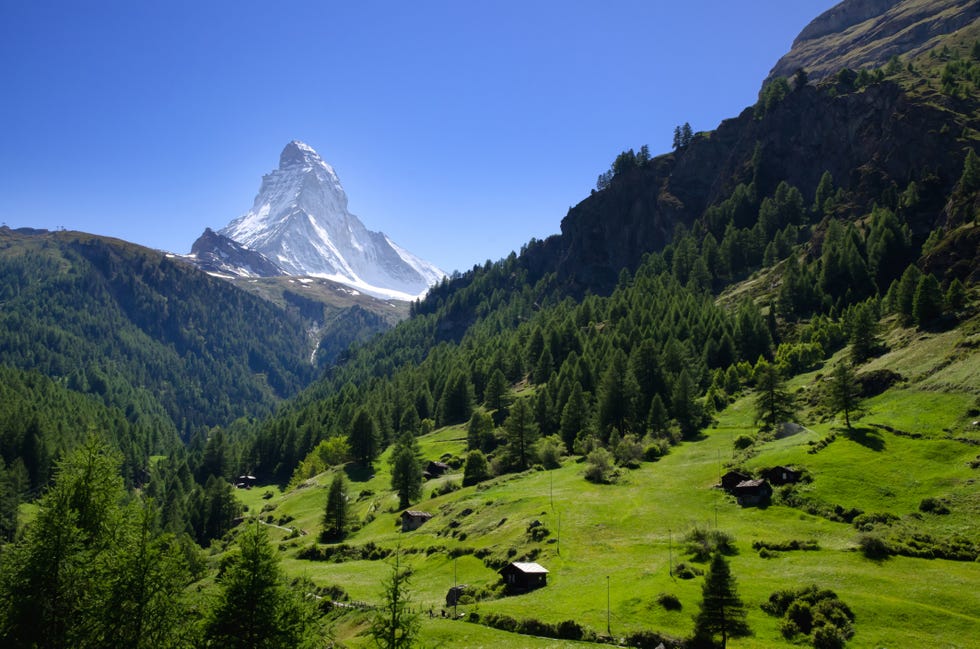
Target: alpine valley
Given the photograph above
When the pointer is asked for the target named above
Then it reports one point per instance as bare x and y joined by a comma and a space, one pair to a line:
735, 402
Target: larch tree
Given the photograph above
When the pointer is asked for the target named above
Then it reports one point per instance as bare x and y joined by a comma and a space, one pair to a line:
256, 607
335, 513
363, 438
722, 611
522, 431
394, 626
844, 391
773, 402
406, 470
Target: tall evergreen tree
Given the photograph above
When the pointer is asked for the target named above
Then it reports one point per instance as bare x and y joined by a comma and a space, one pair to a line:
773, 402
684, 405
256, 607
522, 432
88, 571
363, 438
334, 526
722, 611
496, 395
394, 626
927, 303
844, 391
406, 470
574, 416
862, 325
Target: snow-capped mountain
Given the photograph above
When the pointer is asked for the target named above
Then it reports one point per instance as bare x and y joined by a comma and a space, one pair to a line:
300, 222
219, 255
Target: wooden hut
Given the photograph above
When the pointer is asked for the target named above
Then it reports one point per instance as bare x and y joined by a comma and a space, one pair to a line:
413, 519
521, 577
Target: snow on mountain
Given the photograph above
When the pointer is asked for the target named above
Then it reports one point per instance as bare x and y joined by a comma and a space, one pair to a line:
300, 222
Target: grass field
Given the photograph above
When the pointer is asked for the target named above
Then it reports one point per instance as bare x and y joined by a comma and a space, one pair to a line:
620, 541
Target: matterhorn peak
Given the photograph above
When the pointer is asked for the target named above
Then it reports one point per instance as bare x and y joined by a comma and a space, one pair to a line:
300, 222
299, 153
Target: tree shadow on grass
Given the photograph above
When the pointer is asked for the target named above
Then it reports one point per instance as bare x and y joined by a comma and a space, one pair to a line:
867, 437
357, 472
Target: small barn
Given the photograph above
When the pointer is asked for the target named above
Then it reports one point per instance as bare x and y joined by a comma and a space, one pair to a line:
521, 577
780, 475
434, 469
753, 492
245, 481
413, 519
731, 480
452, 597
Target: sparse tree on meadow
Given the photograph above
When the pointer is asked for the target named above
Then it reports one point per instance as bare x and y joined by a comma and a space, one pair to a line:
773, 402
406, 471
722, 611
844, 391
394, 625
335, 512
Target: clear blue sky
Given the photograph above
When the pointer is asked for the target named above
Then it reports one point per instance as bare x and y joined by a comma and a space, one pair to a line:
460, 129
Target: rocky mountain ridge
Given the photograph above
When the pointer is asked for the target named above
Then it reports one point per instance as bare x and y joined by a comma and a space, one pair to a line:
859, 34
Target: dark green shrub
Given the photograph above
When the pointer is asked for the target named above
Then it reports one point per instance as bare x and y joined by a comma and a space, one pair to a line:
800, 614
873, 546
686, 571
669, 602
570, 630
744, 441
828, 637
933, 506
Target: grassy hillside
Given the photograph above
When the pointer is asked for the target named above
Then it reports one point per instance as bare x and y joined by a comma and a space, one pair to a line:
915, 441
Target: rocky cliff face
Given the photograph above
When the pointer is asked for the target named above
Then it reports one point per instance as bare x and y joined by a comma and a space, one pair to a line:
874, 140
867, 33
218, 255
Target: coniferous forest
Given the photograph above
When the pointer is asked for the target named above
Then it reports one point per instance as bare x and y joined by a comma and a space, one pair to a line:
697, 305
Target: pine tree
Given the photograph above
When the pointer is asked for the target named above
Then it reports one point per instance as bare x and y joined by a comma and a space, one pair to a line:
363, 438
479, 432
862, 324
256, 607
406, 471
773, 402
722, 611
335, 512
684, 405
476, 469
496, 395
905, 295
394, 626
843, 391
574, 416
522, 431
927, 303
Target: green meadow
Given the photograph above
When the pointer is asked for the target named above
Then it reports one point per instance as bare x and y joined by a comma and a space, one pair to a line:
611, 549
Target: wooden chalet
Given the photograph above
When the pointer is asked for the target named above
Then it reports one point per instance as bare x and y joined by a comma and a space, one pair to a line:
413, 519
753, 492
780, 475
434, 469
731, 479
521, 577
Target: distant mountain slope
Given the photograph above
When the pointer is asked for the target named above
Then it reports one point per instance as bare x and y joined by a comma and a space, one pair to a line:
79, 307
867, 33
300, 223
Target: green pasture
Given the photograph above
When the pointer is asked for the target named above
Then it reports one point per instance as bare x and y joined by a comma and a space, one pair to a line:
619, 541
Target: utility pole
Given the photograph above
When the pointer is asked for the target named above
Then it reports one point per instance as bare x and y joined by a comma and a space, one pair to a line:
670, 555
608, 631
558, 544
551, 489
